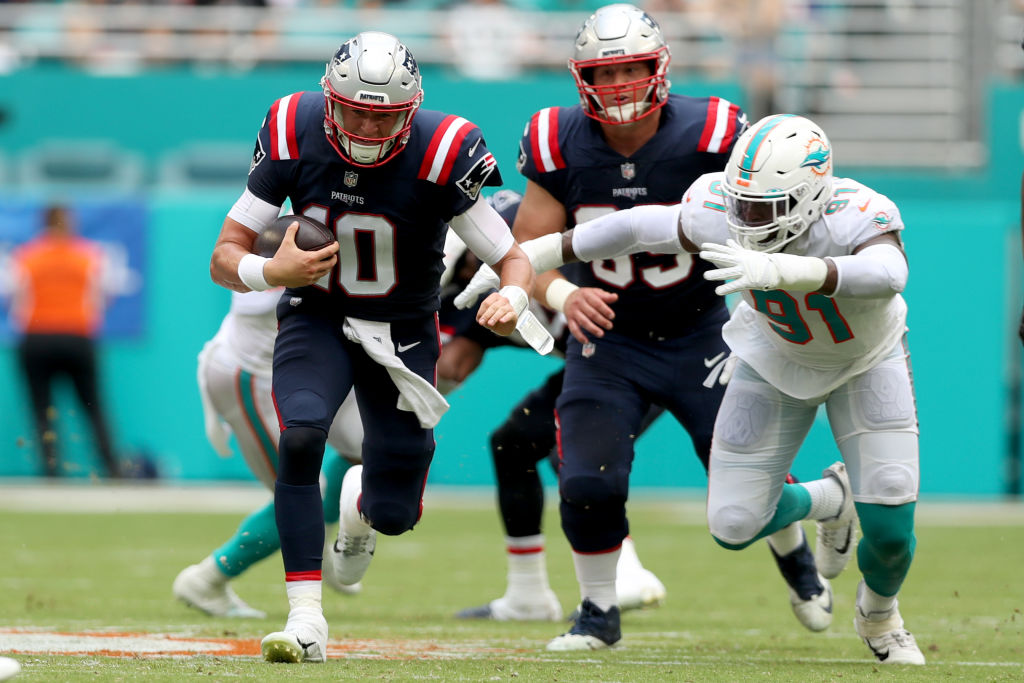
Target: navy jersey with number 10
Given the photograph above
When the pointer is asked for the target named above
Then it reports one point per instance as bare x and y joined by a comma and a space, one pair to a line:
390, 220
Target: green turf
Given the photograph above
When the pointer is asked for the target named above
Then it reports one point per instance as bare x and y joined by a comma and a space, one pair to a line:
727, 617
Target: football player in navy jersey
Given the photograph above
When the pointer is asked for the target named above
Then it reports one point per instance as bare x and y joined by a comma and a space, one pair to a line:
387, 178
518, 445
645, 327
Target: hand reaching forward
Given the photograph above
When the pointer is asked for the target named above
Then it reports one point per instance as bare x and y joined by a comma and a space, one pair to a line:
749, 269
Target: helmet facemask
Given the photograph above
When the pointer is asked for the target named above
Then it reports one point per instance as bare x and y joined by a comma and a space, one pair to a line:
616, 35
627, 102
371, 76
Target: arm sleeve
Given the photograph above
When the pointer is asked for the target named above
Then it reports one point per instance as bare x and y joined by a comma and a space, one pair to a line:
876, 271
253, 212
642, 228
484, 232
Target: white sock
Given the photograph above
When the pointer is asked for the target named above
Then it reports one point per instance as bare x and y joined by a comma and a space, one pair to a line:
826, 497
305, 594
872, 605
787, 539
596, 575
527, 568
211, 572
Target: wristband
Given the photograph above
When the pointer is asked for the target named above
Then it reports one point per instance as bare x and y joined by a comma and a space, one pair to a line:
517, 297
557, 293
545, 252
250, 272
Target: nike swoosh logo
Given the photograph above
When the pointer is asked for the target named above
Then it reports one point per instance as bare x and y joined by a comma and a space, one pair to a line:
879, 654
846, 545
472, 150
864, 207
305, 646
402, 348
708, 362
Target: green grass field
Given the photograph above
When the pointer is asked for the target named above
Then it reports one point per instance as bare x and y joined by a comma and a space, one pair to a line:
727, 617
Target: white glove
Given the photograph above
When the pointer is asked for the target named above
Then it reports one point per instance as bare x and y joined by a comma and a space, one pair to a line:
483, 281
751, 269
721, 369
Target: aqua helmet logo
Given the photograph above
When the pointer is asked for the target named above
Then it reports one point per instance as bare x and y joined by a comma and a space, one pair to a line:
819, 157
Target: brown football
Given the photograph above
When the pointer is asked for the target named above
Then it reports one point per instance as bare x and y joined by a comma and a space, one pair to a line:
312, 235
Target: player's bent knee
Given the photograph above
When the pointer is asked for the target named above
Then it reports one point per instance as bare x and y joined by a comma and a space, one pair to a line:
589, 491
893, 481
733, 527
389, 518
310, 406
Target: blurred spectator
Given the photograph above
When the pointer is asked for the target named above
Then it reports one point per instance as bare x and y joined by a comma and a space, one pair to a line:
57, 306
490, 40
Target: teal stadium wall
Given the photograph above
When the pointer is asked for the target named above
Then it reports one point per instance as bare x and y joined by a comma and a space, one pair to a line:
958, 229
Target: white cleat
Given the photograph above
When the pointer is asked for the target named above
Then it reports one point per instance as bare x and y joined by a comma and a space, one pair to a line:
884, 634
815, 613
331, 579
837, 537
215, 599
9, 668
545, 607
639, 589
594, 629
353, 550
304, 638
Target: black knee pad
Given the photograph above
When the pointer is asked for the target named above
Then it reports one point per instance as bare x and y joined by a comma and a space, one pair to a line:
589, 491
390, 517
301, 451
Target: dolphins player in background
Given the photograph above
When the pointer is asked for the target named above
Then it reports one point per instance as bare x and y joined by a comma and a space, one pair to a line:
820, 264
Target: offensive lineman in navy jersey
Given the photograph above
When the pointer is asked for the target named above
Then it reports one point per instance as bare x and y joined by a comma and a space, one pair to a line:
386, 179
645, 327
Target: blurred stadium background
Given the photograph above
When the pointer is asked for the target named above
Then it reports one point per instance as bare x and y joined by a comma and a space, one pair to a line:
142, 116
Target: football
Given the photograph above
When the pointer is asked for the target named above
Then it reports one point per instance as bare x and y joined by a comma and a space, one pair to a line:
311, 236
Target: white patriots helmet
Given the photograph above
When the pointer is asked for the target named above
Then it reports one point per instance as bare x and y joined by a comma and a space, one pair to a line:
778, 180
620, 34
372, 73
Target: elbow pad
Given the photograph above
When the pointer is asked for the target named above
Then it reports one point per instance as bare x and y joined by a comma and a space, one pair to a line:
643, 228
877, 271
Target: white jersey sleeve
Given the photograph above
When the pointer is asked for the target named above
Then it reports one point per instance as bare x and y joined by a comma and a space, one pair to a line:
806, 343
702, 211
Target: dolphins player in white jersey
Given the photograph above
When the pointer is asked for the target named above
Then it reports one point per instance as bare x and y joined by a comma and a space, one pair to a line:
820, 266
235, 387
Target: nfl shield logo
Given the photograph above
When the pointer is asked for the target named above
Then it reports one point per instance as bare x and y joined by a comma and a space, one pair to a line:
628, 170
351, 178
588, 349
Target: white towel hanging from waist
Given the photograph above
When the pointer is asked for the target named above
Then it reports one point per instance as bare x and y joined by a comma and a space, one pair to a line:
416, 394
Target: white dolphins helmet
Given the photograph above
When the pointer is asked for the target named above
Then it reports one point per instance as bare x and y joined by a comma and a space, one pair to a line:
372, 73
619, 34
777, 181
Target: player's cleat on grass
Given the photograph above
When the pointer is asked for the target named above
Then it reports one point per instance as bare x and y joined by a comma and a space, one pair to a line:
594, 629
885, 636
837, 537
9, 668
542, 607
810, 593
304, 638
353, 549
638, 589
331, 579
215, 598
